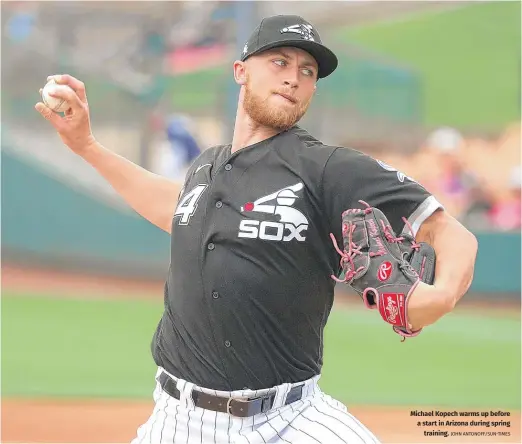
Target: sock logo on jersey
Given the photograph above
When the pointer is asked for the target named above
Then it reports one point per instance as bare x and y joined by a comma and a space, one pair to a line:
291, 223
400, 175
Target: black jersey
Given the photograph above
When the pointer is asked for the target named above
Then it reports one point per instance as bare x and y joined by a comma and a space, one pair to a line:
249, 287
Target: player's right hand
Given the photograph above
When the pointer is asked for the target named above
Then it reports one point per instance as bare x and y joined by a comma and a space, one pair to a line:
74, 128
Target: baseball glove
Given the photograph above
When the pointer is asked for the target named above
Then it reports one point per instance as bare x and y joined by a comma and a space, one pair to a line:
383, 268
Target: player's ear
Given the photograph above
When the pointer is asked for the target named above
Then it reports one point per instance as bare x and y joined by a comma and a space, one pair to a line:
240, 75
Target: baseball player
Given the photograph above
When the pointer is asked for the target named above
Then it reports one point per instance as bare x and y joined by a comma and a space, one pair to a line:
256, 232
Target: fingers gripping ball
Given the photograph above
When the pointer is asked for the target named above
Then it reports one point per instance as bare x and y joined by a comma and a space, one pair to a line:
57, 104
383, 268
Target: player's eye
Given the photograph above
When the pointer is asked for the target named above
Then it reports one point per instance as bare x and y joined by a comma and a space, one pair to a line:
280, 62
308, 72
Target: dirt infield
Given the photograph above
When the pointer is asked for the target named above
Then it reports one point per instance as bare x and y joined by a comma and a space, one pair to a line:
115, 421
59, 283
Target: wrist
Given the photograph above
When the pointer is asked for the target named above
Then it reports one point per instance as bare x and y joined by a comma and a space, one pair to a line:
89, 148
446, 294
427, 304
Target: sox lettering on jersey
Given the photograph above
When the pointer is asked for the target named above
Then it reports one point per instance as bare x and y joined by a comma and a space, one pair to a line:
291, 225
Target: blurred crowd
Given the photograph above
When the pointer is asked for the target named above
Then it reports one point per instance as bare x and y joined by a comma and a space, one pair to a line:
175, 145
477, 180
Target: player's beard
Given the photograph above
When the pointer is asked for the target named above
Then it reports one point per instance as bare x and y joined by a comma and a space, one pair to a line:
262, 112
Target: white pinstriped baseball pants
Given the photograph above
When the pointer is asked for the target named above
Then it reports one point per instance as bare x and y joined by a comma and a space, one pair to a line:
316, 418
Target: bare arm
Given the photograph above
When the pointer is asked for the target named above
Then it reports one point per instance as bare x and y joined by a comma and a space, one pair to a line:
150, 195
456, 250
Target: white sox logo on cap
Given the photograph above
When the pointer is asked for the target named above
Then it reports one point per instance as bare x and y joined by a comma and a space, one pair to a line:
305, 31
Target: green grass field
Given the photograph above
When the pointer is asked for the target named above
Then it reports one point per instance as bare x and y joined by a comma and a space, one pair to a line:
469, 59
94, 348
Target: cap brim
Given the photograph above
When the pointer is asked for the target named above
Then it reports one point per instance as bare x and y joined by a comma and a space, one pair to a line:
326, 59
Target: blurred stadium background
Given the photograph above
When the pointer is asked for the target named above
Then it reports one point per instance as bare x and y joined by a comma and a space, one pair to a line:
431, 88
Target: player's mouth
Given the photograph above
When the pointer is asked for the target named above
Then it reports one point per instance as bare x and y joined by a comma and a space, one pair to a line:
287, 97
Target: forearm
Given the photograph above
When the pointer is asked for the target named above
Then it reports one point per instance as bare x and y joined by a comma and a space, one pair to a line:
455, 249
150, 195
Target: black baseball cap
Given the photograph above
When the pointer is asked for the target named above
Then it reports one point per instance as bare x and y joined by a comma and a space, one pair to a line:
290, 30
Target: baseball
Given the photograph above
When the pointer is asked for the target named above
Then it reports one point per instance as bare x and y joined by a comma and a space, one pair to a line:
56, 104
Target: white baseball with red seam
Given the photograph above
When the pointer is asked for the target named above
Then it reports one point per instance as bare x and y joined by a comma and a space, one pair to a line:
56, 104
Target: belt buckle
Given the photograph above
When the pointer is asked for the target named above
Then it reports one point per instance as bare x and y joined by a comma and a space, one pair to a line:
228, 406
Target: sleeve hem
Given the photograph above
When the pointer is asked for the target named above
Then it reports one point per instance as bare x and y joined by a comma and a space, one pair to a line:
423, 211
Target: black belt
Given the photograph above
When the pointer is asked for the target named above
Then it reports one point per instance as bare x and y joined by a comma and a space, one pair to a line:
232, 406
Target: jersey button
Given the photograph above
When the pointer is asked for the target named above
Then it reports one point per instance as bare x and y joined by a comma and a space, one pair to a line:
215, 294
219, 204
228, 167
227, 344
211, 246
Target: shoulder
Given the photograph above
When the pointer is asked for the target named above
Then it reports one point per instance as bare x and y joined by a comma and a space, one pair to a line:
354, 160
208, 156
346, 153
308, 147
212, 153
328, 159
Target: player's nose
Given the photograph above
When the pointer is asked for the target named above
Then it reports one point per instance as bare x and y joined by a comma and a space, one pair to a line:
291, 78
